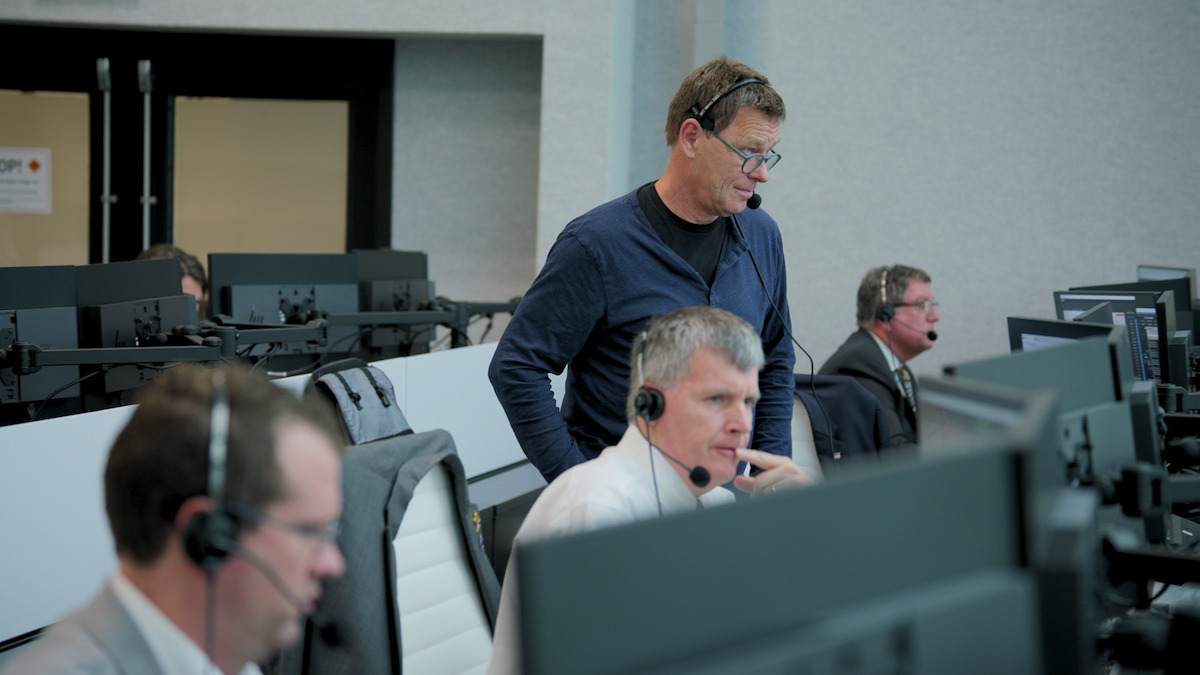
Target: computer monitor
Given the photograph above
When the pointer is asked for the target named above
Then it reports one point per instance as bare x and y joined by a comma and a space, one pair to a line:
395, 281
1027, 334
1136, 310
122, 304
37, 305
1183, 288
955, 413
1100, 313
1158, 272
275, 289
128, 304
917, 568
1094, 389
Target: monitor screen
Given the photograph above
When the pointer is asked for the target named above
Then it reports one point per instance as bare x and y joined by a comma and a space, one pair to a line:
1136, 310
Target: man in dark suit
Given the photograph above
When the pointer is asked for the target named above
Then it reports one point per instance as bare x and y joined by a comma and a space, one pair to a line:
218, 562
896, 313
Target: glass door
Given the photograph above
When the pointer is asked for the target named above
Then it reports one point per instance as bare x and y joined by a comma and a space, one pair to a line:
44, 159
184, 138
259, 176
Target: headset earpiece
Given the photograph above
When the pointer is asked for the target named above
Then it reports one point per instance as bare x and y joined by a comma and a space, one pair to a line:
886, 311
209, 538
649, 402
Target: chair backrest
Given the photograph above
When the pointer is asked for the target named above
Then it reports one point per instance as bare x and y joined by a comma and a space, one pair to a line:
859, 430
416, 574
804, 447
443, 621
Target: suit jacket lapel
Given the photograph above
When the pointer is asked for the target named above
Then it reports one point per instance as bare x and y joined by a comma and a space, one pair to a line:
114, 631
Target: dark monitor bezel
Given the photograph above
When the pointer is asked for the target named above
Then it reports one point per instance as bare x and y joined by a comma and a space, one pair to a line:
1182, 286
1020, 326
227, 270
37, 287
390, 264
1157, 272
129, 281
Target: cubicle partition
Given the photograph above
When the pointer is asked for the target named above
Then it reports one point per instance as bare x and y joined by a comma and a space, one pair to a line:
58, 549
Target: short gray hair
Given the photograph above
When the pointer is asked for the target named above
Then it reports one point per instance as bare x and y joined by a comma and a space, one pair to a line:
663, 352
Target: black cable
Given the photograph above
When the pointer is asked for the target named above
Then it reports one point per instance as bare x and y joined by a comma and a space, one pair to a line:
210, 615
449, 335
812, 368
58, 391
650, 456
491, 320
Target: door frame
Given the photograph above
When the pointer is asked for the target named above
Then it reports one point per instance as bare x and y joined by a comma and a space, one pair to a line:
357, 70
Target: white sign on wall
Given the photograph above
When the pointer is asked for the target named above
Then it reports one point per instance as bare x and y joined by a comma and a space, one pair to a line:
25, 180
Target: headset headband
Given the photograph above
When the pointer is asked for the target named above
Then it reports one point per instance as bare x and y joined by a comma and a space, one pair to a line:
701, 114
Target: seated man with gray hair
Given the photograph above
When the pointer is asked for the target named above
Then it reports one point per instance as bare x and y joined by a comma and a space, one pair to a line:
693, 387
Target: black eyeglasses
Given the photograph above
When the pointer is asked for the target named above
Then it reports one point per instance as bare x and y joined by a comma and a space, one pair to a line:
926, 306
751, 162
325, 533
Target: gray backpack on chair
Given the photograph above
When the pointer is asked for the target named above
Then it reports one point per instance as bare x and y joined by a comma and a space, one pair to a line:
364, 400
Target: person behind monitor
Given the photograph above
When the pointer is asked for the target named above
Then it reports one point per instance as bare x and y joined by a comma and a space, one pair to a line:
689, 413
210, 579
896, 316
675, 242
194, 281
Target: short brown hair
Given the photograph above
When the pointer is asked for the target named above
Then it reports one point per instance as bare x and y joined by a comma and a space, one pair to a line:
160, 459
715, 78
871, 292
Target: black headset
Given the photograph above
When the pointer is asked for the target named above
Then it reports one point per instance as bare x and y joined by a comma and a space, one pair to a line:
886, 311
649, 402
701, 114
211, 536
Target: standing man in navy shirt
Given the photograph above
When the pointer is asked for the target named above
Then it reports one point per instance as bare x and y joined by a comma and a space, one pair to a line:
686, 239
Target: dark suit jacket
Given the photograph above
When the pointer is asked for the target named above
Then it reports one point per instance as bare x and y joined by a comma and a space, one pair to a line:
860, 430
100, 638
860, 358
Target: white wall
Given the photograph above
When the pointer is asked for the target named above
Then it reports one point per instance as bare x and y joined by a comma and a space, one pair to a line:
466, 164
1009, 148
